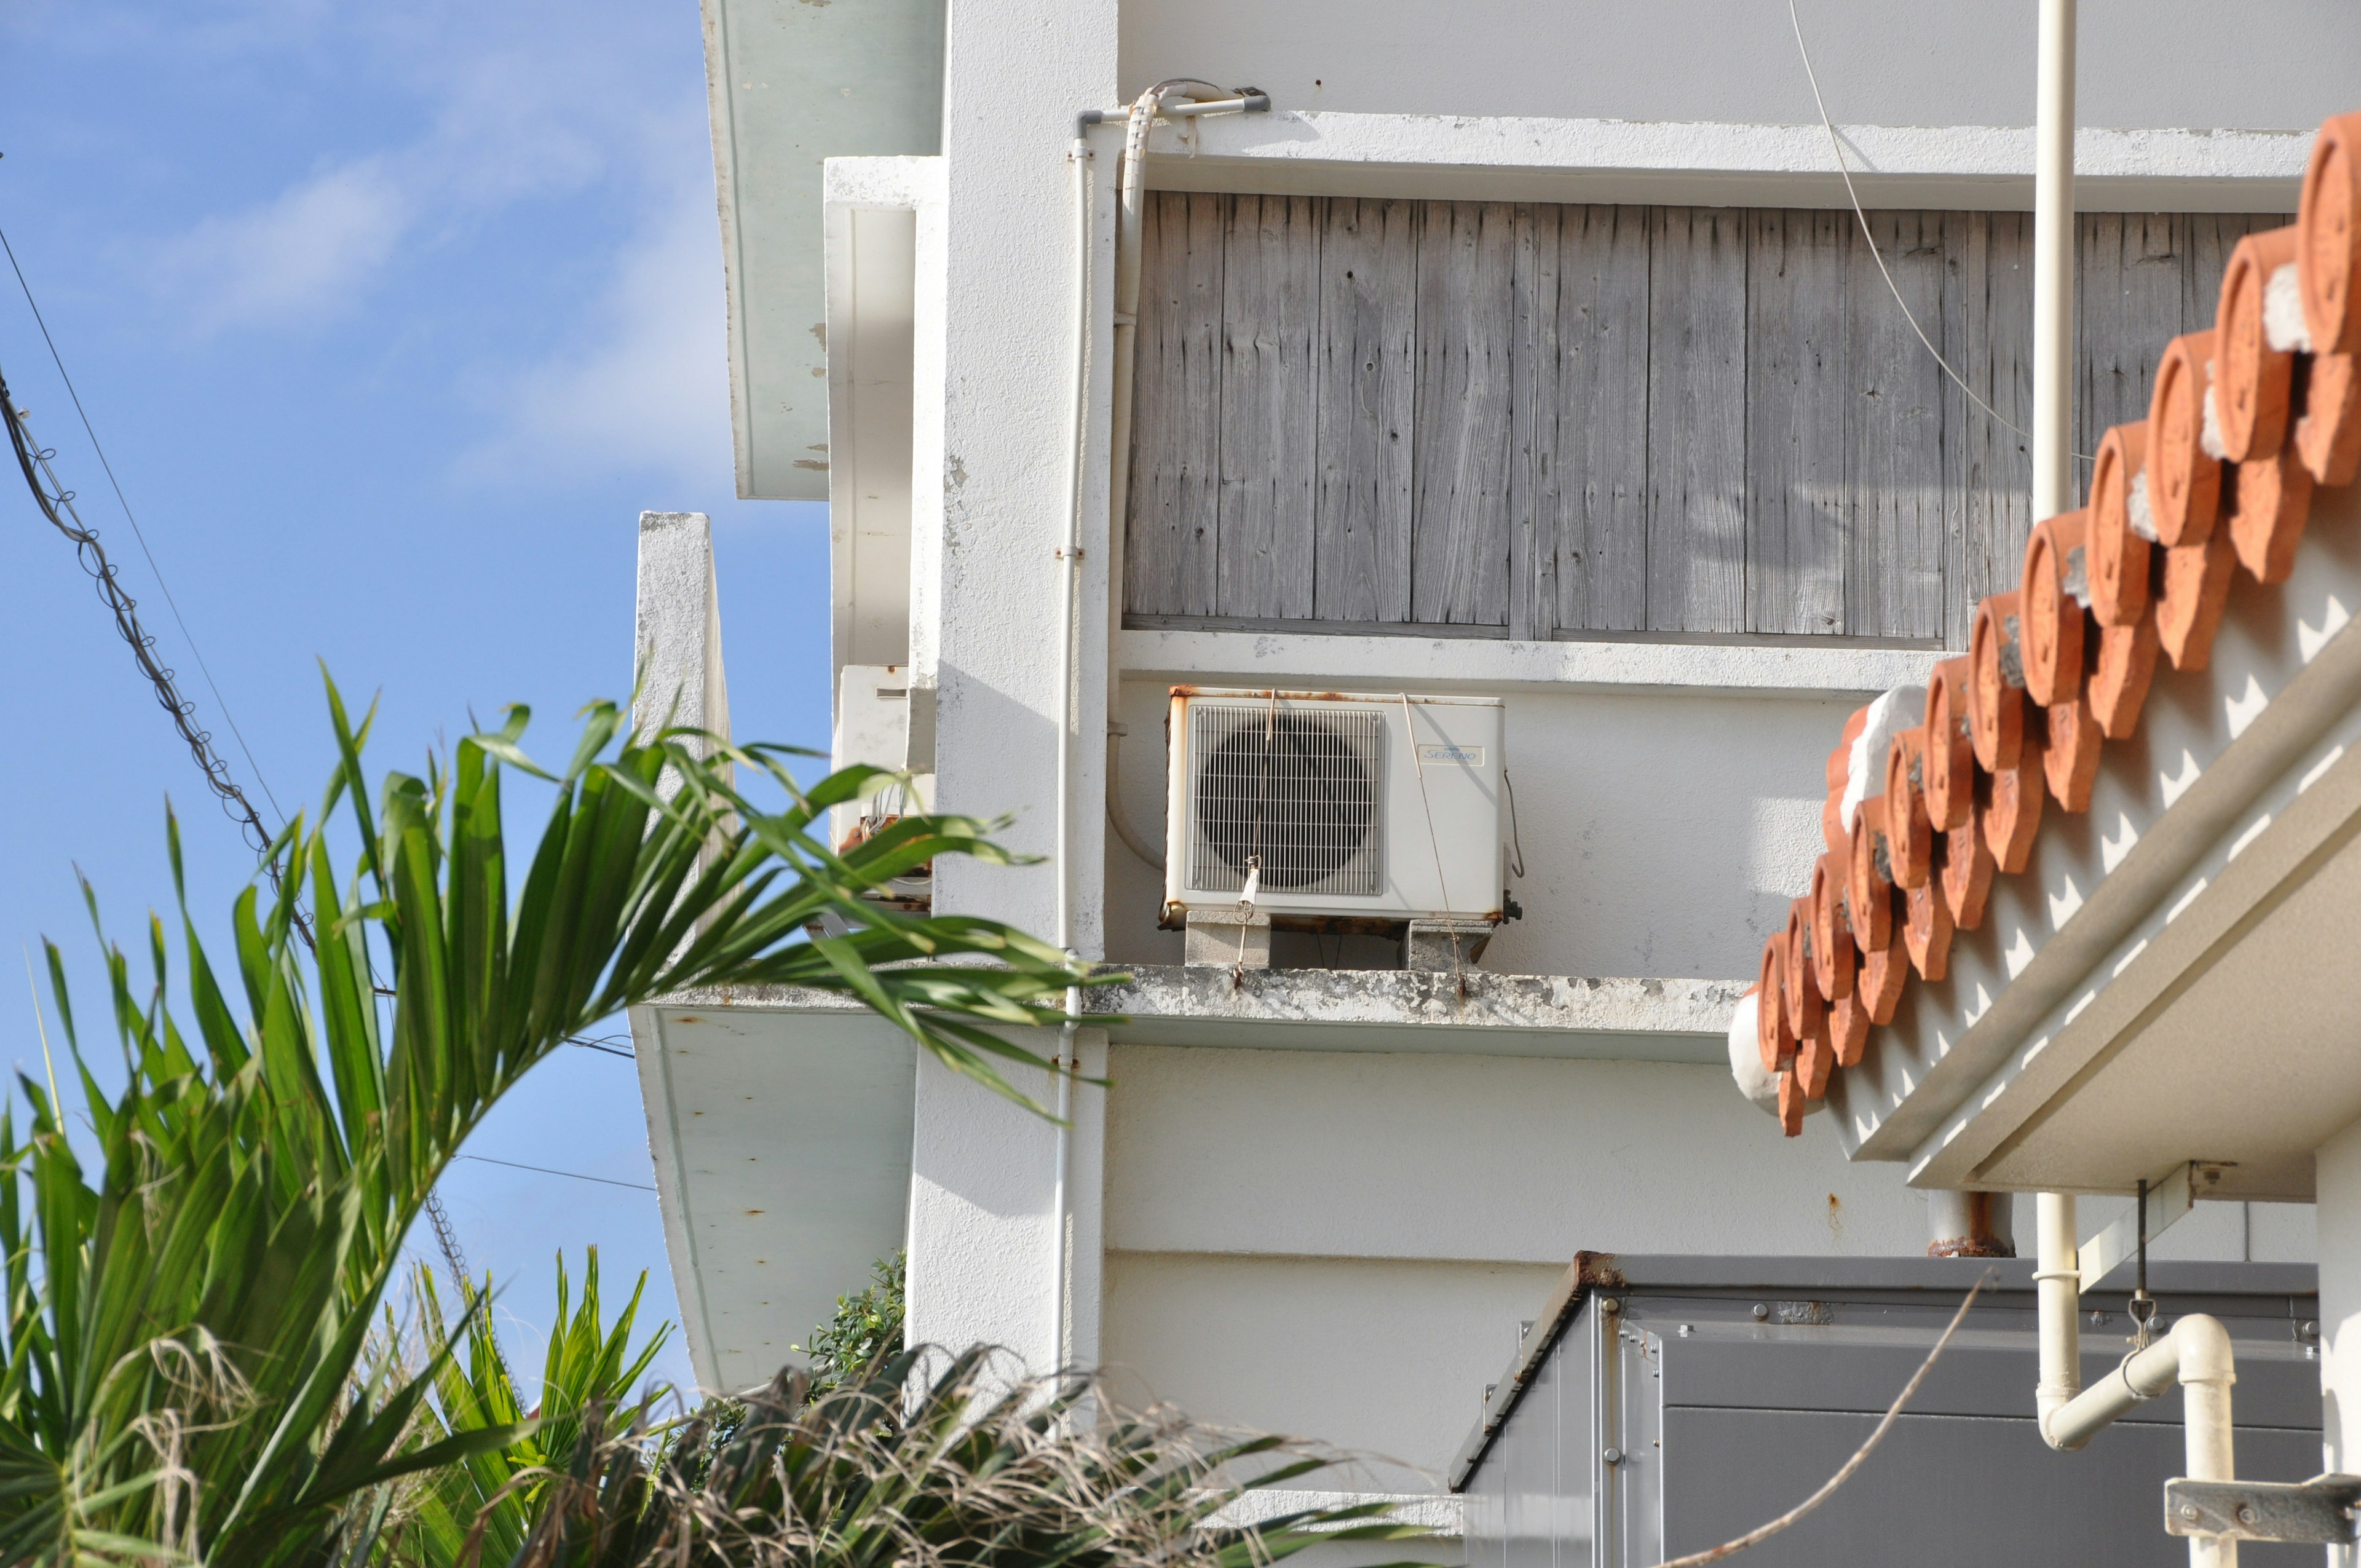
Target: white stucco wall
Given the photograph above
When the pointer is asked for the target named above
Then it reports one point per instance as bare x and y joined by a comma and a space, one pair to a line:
1663, 834
994, 347
2143, 62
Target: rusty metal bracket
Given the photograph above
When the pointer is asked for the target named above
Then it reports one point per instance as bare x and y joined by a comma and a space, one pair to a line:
2318, 1512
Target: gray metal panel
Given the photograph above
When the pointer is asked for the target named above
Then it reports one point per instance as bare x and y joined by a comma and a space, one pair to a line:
791, 84
1943, 1490
2256, 1298
1719, 1421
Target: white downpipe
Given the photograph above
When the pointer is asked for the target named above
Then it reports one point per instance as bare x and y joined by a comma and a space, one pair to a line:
1069, 557
2196, 1355
2057, 1281
2053, 264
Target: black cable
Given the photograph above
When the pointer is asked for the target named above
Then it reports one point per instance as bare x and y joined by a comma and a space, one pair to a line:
136, 532
546, 1170
56, 503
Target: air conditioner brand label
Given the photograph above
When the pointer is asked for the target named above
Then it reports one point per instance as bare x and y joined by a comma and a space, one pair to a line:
1440, 755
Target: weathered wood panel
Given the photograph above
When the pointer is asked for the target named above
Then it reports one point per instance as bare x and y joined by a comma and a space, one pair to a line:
1890, 390
1603, 419
1171, 543
1528, 419
1796, 492
1533, 432
1994, 466
1270, 300
1459, 463
1368, 365
1696, 420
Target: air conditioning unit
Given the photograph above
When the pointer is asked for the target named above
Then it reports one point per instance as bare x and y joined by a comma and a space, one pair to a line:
1383, 808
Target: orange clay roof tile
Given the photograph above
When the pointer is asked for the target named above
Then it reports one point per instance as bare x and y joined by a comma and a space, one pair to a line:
2214, 488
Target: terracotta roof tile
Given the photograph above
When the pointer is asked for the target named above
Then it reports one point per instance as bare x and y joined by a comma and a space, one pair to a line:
2117, 544
2212, 487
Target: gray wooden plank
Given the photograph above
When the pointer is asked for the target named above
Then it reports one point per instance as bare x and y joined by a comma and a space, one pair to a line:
1996, 463
1170, 538
1534, 501
1270, 301
1459, 533
1959, 233
1795, 351
2128, 302
2205, 241
1368, 366
1696, 420
1893, 403
1602, 419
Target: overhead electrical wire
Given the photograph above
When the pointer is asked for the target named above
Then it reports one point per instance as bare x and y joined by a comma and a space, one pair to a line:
56, 504
546, 1170
1836, 145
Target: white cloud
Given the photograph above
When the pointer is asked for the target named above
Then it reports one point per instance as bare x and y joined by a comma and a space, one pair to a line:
646, 387
293, 260
508, 103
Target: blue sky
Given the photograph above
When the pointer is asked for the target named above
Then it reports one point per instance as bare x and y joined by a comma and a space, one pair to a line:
391, 319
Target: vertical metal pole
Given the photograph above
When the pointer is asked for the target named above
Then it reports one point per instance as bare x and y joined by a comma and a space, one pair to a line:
2053, 264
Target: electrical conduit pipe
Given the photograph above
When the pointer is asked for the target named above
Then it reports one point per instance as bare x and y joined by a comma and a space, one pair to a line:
2196, 1355
1070, 557
1188, 97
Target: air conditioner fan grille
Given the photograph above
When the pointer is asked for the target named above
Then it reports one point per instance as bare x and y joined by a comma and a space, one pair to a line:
1298, 789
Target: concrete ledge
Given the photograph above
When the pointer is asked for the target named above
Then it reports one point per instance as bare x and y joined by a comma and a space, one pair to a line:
1376, 1010
1299, 659
1472, 158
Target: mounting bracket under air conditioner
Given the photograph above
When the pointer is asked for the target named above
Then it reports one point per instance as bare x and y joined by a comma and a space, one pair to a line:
2318, 1512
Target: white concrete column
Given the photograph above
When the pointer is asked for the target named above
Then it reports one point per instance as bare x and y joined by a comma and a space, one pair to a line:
677, 631
2338, 1183
989, 579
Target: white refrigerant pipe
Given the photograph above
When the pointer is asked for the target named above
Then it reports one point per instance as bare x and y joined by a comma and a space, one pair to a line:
1177, 98
2195, 1354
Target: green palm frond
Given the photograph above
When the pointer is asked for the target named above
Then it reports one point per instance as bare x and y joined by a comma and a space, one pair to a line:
929, 1460
183, 1373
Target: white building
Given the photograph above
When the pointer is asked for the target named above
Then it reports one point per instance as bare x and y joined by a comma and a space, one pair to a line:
1515, 352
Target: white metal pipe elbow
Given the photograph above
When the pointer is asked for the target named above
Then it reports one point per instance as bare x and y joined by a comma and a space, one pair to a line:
2058, 1280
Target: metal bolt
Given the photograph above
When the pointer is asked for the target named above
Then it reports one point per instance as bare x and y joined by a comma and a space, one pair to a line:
2247, 1513
2307, 1331
1760, 1312
2188, 1512
1610, 1304
1613, 1456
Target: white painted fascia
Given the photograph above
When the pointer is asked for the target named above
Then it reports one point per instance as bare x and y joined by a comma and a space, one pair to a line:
913, 183
1719, 164
2227, 792
1380, 1010
1493, 665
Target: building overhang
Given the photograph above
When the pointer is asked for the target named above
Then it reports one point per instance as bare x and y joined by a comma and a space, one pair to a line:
789, 86
2172, 976
780, 1118
782, 1149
